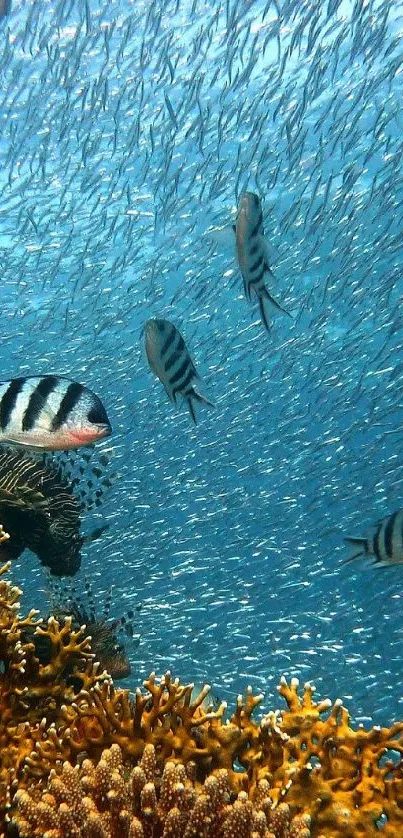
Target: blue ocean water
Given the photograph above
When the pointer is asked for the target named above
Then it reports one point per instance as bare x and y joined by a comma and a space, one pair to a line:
128, 132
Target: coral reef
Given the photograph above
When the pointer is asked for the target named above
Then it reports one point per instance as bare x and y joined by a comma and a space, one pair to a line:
107, 801
162, 763
73, 600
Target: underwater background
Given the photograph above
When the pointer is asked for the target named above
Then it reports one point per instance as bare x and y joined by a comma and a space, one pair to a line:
128, 131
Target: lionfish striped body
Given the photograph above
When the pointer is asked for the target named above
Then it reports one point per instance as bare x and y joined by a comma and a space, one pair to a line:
41, 511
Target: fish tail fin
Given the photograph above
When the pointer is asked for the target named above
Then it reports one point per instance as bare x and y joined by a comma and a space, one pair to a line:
263, 314
362, 543
268, 305
191, 409
273, 303
198, 395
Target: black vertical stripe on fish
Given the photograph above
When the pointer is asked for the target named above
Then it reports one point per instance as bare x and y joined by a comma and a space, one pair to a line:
172, 360
168, 342
67, 404
257, 265
253, 249
36, 401
181, 371
388, 534
182, 386
256, 230
378, 546
9, 399
256, 279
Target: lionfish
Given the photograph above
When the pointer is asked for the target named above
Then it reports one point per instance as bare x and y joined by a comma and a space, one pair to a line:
41, 506
106, 634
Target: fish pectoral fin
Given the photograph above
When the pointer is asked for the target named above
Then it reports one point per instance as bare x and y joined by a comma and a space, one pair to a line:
223, 237
32, 497
23, 497
95, 534
269, 253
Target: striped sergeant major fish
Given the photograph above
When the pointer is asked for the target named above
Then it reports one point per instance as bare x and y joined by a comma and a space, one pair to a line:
252, 254
385, 546
50, 413
169, 359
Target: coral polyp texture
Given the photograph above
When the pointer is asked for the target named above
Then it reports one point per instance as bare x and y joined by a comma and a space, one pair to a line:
79, 757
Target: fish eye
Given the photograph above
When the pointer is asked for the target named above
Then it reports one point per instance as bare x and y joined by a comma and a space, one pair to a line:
97, 415
256, 199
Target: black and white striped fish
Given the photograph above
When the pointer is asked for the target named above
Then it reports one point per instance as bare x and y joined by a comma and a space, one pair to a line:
169, 358
50, 413
252, 254
385, 546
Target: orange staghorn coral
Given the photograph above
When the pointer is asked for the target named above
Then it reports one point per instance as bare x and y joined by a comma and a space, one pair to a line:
30, 692
304, 768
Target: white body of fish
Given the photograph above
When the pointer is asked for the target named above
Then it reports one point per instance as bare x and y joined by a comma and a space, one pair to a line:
50, 413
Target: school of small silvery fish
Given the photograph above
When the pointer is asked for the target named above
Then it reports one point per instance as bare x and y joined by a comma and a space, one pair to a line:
127, 132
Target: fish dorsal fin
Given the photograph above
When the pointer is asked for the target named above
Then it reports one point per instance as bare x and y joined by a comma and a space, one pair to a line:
223, 237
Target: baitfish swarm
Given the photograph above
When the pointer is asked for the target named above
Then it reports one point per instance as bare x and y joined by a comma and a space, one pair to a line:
169, 358
40, 511
50, 413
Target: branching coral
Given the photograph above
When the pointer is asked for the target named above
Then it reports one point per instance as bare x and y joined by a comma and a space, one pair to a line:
301, 771
107, 801
30, 692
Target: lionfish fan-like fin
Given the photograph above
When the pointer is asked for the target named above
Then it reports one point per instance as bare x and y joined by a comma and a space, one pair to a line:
355, 542
64, 596
88, 472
